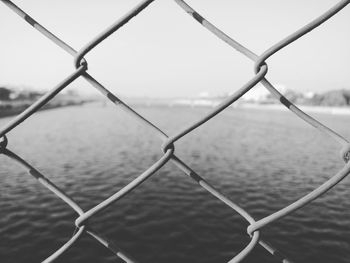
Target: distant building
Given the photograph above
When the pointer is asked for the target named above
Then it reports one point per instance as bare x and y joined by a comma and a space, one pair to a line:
204, 94
26, 95
309, 94
256, 94
260, 94
5, 93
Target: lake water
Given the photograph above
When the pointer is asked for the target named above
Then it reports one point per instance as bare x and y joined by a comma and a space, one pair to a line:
261, 159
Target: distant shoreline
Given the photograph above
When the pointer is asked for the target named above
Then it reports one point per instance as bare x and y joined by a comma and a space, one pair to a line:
334, 110
8, 112
12, 111
306, 108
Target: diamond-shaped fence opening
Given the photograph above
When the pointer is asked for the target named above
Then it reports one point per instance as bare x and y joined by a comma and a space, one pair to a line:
168, 142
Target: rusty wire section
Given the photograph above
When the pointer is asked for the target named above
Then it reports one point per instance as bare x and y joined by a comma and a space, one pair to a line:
168, 147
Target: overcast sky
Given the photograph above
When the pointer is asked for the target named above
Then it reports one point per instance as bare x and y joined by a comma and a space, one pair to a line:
163, 52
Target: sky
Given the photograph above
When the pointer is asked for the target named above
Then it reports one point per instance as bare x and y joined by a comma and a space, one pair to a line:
163, 52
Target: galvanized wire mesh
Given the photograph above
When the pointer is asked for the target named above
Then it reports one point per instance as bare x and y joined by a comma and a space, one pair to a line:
168, 145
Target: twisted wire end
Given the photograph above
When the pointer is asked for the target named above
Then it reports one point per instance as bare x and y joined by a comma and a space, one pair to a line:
168, 145
345, 153
3, 143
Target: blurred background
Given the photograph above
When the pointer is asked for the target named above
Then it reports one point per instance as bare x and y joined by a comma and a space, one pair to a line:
173, 71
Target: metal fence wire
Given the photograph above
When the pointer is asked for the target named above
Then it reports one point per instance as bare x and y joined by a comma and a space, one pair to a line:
168, 146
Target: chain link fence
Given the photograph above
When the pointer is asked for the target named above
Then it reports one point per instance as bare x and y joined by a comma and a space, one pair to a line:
168, 141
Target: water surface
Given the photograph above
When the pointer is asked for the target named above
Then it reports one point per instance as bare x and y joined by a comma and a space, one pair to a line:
261, 159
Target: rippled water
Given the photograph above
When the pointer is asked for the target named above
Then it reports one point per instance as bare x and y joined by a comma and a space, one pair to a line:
261, 159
